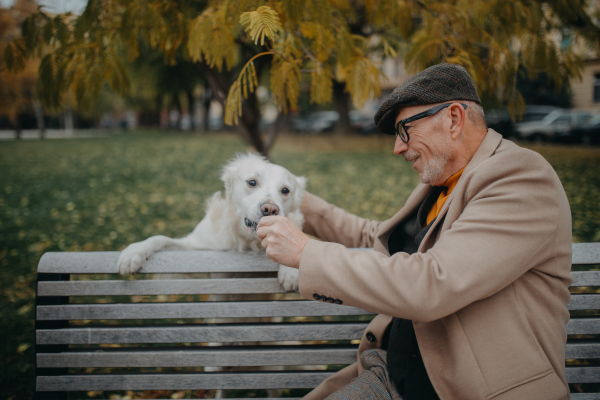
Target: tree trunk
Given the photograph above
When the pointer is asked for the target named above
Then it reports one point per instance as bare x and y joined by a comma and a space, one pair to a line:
281, 124
68, 116
177, 103
342, 106
191, 108
17, 128
206, 100
250, 118
39, 115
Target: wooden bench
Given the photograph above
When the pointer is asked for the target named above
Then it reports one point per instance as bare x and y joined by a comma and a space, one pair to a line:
96, 331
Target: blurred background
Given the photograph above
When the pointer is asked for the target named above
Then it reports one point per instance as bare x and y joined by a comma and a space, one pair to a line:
116, 117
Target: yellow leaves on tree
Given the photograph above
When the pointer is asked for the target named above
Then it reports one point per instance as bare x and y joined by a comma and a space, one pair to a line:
260, 23
211, 38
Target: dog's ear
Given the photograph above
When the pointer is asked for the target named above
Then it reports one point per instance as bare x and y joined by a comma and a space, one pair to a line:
228, 174
300, 192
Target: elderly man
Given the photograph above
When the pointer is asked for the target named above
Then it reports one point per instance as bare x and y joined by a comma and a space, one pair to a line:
470, 277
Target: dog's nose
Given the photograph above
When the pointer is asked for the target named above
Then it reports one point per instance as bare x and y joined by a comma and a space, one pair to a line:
269, 209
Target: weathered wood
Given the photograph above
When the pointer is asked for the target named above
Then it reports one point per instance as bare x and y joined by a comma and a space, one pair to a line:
586, 278
585, 396
584, 302
229, 309
158, 287
171, 262
207, 356
202, 286
583, 326
582, 350
210, 261
586, 253
583, 374
256, 380
204, 333
215, 261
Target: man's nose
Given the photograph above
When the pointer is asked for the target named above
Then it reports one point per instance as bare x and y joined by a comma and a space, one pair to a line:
400, 147
269, 209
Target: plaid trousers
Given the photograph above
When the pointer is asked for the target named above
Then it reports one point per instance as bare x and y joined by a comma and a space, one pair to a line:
373, 384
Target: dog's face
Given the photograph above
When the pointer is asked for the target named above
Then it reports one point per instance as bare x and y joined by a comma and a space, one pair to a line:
257, 188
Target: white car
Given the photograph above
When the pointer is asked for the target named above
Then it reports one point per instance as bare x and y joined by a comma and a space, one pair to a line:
554, 126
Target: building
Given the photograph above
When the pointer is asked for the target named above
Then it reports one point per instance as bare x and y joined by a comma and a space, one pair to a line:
586, 93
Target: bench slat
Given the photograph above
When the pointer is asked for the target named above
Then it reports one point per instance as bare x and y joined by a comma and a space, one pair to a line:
256, 380
205, 333
229, 309
195, 310
583, 326
582, 350
158, 287
209, 261
292, 355
202, 286
584, 302
583, 374
585, 396
586, 253
586, 278
260, 380
210, 356
105, 262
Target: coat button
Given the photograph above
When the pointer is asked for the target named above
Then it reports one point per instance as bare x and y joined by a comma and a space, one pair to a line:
370, 337
316, 297
338, 301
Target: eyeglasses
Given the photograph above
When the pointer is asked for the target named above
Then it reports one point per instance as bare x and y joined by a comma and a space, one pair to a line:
401, 125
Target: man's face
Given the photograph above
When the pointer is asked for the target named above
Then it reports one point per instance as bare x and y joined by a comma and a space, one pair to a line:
428, 148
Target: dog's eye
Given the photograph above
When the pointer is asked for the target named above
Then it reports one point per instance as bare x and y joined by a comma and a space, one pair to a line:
252, 182
285, 190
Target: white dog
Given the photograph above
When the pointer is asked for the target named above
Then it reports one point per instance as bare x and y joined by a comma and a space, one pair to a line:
253, 188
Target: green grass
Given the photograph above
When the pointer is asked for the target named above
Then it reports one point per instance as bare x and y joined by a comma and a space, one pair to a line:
101, 194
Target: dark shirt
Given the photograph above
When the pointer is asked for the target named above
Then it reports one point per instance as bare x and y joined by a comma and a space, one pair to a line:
405, 364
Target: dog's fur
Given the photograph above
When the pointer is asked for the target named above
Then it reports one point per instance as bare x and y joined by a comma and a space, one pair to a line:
253, 187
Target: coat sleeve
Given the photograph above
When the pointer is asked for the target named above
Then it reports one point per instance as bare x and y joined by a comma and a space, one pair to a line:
513, 207
333, 224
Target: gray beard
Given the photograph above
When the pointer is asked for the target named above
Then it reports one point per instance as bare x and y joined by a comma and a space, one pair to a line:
434, 169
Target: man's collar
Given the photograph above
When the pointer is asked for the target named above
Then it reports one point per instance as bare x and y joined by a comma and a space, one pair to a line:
488, 146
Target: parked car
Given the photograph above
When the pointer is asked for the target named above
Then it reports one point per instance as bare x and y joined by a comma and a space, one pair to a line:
500, 121
319, 121
555, 126
537, 113
361, 123
589, 133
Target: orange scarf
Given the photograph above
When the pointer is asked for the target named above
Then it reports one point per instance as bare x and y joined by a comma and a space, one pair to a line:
449, 186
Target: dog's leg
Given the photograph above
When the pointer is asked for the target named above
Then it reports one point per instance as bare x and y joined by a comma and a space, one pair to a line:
288, 278
134, 255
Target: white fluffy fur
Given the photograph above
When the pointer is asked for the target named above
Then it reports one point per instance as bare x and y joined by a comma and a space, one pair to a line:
223, 226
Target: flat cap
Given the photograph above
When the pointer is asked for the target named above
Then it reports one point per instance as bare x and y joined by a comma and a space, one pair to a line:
437, 84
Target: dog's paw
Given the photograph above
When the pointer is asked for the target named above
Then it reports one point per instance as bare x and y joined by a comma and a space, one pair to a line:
288, 278
132, 258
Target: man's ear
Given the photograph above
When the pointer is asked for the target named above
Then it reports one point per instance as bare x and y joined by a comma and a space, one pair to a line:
457, 115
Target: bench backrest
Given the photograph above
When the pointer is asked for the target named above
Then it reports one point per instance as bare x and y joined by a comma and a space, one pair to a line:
93, 328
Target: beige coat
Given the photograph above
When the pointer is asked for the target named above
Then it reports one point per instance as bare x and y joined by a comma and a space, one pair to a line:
487, 290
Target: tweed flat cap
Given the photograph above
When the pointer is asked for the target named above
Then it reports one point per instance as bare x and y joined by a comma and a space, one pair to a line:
437, 84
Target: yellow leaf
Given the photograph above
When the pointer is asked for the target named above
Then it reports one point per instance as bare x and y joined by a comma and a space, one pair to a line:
260, 23
22, 347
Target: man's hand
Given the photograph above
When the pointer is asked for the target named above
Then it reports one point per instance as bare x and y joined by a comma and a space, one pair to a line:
282, 239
